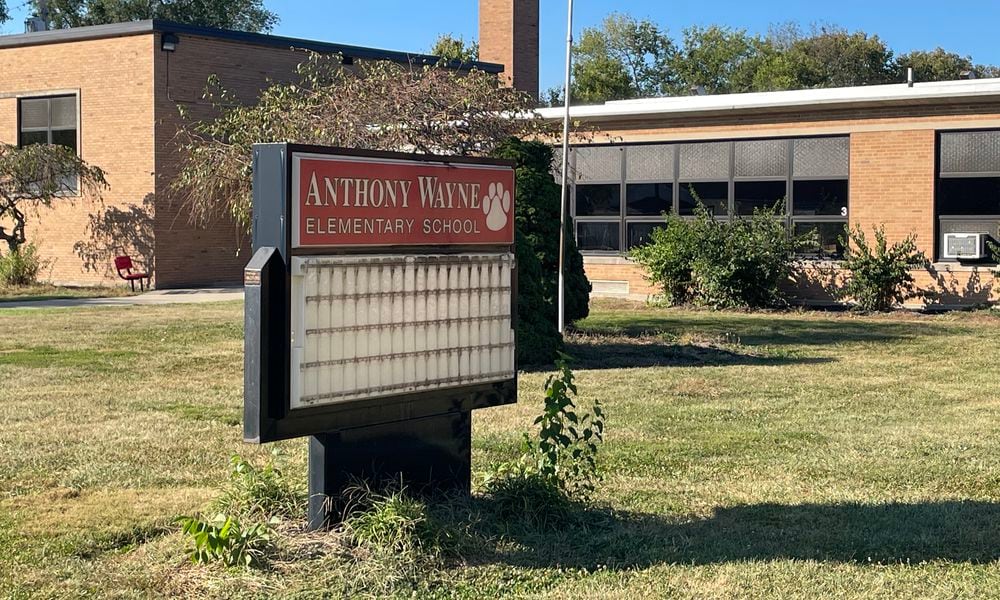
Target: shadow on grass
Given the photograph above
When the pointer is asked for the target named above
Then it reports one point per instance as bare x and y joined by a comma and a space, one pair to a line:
598, 352
849, 533
758, 329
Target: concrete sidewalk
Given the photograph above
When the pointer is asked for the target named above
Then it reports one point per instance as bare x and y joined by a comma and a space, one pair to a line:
183, 296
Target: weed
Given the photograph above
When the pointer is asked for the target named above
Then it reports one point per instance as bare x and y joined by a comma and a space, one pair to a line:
224, 539
260, 493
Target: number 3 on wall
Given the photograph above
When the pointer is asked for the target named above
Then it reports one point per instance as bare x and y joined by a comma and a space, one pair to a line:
843, 211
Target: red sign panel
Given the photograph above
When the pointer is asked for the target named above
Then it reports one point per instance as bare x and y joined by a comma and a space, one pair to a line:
360, 201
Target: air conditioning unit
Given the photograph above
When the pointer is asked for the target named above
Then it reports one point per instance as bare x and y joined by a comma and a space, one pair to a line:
969, 246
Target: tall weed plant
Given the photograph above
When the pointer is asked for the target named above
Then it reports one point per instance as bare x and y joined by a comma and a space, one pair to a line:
20, 267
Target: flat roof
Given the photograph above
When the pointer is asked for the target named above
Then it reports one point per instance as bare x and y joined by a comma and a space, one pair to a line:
95, 32
828, 98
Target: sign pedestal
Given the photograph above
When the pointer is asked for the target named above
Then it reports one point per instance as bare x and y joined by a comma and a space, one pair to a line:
426, 456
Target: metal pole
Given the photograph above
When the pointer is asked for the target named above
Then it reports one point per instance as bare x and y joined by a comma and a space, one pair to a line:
565, 168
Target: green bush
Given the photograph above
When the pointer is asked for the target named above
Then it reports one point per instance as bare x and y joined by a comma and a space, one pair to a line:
669, 257
879, 276
536, 216
737, 263
20, 267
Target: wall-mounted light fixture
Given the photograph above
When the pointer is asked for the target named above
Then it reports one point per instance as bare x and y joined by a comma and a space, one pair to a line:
169, 41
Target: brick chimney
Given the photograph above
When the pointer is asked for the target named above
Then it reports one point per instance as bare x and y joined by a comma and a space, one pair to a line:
508, 34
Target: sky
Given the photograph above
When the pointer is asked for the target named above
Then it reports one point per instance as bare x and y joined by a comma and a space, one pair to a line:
962, 26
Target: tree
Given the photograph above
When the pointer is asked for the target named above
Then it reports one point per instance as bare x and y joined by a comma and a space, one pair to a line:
241, 15
940, 65
536, 215
37, 174
377, 105
386, 106
832, 57
624, 58
451, 48
721, 60
4, 14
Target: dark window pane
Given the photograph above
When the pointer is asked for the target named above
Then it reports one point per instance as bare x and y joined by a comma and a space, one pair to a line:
598, 200
648, 199
821, 197
969, 196
65, 137
34, 137
752, 195
598, 236
638, 234
828, 239
714, 195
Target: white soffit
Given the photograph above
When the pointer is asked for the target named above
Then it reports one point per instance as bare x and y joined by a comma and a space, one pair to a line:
898, 94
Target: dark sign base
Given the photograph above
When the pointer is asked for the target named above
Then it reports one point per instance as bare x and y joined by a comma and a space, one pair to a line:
427, 455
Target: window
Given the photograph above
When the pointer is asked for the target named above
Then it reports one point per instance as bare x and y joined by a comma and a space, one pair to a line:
48, 121
820, 189
649, 199
639, 233
598, 236
621, 192
713, 195
751, 195
968, 183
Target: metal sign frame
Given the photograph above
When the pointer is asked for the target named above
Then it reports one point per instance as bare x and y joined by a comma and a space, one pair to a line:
268, 415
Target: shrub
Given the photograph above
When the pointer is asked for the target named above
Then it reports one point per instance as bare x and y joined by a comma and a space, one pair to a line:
536, 216
879, 274
261, 492
20, 267
224, 539
669, 257
738, 263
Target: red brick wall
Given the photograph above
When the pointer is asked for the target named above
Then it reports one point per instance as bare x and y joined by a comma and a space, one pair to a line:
892, 184
508, 34
188, 254
79, 237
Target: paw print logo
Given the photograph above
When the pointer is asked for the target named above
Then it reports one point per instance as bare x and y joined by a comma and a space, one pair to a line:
496, 206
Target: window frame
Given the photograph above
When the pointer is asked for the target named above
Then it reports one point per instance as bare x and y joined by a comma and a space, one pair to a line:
49, 96
981, 220
624, 219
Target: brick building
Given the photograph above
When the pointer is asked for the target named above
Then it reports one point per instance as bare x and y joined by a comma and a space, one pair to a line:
112, 93
922, 159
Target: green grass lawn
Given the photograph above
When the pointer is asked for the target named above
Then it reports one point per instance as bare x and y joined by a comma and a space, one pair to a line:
788, 455
43, 291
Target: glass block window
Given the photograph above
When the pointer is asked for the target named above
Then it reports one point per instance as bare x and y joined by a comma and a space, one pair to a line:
649, 163
704, 161
762, 158
599, 163
821, 157
49, 120
970, 152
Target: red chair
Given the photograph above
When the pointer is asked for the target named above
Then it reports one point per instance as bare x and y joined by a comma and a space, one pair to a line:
124, 266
